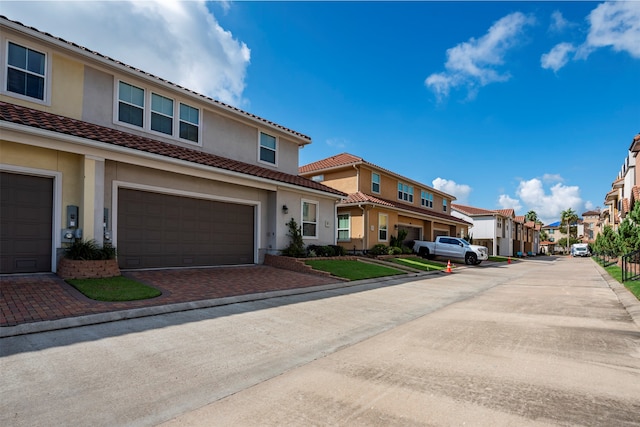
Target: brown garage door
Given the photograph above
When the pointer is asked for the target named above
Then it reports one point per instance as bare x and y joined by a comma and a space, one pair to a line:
413, 233
160, 230
26, 208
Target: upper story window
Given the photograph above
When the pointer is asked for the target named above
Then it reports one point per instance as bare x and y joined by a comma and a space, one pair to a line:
189, 123
26, 71
444, 205
405, 192
309, 219
268, 148
317, 178
426, 199
161, 114
130, 104
344, 232
155, 112
375, 182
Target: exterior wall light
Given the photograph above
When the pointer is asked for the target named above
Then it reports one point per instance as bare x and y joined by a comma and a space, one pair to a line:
285, 209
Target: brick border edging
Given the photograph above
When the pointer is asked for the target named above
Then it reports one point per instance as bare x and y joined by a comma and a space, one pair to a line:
298, 265
80, 269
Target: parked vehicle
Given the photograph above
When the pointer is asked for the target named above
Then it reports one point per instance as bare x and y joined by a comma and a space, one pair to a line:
580, 249
451, 247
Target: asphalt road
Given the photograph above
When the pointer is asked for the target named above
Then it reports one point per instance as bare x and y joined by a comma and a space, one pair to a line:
535, 343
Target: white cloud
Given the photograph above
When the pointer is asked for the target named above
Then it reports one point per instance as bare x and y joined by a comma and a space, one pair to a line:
460, 191
549, 205
615, 25
507, 202
558, 23
337, 142
180, 41
552, 177
476, 63
557, 57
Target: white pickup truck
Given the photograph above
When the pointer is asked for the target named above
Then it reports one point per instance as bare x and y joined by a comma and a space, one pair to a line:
451, 247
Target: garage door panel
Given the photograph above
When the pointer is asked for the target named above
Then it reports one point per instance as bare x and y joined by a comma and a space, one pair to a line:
26, 209
172, 231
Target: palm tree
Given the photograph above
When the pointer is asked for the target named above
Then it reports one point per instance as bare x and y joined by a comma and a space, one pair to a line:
568, 218
532, 216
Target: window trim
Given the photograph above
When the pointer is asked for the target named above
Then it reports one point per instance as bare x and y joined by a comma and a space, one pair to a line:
380, 229
374, 182
302, 220
426, 202
408, 193
147, 112
348, 229
275, 162
5, 69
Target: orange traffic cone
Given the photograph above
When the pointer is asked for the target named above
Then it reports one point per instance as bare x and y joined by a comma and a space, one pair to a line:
509, 260
448, 270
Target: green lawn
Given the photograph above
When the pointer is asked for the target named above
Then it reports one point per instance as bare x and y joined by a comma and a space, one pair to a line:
616, 272
501, 258
113, 289
419, 263
352, 270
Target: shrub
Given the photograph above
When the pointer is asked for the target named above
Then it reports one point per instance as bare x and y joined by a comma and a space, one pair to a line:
339, 250
296, 247
379, 249
394, 250
88, 250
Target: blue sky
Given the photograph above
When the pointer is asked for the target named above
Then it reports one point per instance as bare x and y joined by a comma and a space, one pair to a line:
524, 105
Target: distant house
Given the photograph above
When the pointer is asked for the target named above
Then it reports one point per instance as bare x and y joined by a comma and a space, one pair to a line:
591, 222
381, 203
92, 148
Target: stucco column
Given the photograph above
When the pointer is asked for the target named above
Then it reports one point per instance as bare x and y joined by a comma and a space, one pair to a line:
92, 211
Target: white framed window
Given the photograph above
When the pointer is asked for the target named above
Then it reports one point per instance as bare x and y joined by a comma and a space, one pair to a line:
309, 218
317, 178
344, 227
157, 113
26, 71
161, 114
444, 205
405, 192
189, 123
130, 104
268, 148
426, 199
375, 182
383, 226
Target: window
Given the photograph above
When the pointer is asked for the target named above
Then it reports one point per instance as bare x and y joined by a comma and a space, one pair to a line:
375, 182
405, 192
317, 178
130, 104
26, 71
161, 114
383, 221
189, 122
267, 148
309, 219
343, 227
426, 199
444, 205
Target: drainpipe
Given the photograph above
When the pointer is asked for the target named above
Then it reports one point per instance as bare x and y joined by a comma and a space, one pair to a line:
365, 224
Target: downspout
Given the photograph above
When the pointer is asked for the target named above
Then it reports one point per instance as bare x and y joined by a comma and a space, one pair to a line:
364, 226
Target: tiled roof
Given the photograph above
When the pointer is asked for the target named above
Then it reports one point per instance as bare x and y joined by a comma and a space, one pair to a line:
64, 125
625, 205
635, 144
343, 159
591, 213
473, 211
363, 198
519, 219
144, 74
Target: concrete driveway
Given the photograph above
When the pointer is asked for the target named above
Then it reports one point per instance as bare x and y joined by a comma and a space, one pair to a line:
533, 343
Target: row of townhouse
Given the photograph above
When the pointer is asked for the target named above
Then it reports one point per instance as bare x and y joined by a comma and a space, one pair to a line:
625, 189
95, 149
501, 231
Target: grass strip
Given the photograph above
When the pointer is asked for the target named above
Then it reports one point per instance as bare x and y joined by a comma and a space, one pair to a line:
352, 270
112, 289
419, 263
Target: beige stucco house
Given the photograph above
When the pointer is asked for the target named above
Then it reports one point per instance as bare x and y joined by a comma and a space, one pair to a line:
92, 148
381, 202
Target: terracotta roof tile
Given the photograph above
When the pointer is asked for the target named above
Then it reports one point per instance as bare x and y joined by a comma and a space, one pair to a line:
360, 197
520, 219
343, 159
471, 211
90, 52
59, 124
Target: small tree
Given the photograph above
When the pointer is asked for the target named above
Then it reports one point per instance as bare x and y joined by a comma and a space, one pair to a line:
296, 247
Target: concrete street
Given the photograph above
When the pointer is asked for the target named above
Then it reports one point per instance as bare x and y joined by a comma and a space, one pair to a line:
534, 343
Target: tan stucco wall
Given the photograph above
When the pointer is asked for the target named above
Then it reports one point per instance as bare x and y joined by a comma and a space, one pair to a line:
70, 165
345, 180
